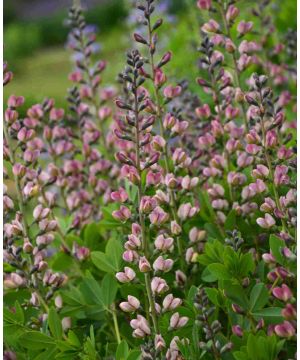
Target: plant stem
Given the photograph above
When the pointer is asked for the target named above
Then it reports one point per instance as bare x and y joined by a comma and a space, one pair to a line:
116, 325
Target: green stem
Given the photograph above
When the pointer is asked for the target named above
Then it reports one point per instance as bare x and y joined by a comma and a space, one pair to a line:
116, 325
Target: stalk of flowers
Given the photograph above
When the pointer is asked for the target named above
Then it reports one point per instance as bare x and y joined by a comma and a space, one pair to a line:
138, 163
171, 126
210, 328
267, 139
27, 234
87, 74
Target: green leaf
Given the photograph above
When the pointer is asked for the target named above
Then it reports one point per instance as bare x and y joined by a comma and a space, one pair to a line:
54, 323
109, 287
19, 313
213, 295
35, 340
259, 297
102, 262
122, 351
219, 271
276, 244
207, 276
230, 223
271, 315
134, 355
110, 261
92, 236
236, 293
48, 354
246, 264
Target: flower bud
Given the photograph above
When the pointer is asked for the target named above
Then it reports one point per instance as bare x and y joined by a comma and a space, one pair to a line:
177, 322
131, 305
126, 276
144, 265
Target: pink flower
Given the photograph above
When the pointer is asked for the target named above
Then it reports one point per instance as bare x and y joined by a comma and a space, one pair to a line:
244, 27
126, 276
123, 214
161, 264
131, 305
15, 101
140, 326
171, 303
237, 330
56, 114
170, 91
119, 196
271, 139
177, 322
159, 285
280, 175
204, 4
210, 27
186, 211
232, 13
163, 243
159, 342
289, 312
285, 330
158, 216
147, 204
260, 172
144, 265
203, 111
283, 293
266, 222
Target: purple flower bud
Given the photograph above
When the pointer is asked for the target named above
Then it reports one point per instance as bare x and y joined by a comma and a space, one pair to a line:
237, 309
11, 116
289, 312
171, 181
204, 4
232, 13
175, 228
159, 342
260, 172
237, 330
180, 278
144, 265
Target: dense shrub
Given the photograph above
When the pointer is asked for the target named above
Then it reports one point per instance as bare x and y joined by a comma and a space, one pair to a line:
152, 221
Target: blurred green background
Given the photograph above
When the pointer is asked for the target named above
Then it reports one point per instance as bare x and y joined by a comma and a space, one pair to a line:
35, 35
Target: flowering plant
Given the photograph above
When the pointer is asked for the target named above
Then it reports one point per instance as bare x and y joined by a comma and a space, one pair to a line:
152, 221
